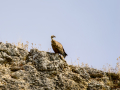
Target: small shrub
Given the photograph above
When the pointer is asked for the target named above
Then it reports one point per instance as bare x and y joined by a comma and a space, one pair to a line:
96, 75
113, 76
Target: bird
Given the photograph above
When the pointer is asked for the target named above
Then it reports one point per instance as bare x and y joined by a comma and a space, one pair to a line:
57, 47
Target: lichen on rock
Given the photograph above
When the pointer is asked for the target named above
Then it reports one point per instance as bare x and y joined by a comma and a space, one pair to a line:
40, 70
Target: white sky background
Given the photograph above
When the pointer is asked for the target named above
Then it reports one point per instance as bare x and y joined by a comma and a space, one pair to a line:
89, 29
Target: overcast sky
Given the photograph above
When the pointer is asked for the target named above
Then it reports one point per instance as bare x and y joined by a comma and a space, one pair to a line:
89, 29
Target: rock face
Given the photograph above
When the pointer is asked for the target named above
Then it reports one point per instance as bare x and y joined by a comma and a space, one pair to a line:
40, 70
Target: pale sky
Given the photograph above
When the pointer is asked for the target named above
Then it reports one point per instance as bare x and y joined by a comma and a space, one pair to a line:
89, 29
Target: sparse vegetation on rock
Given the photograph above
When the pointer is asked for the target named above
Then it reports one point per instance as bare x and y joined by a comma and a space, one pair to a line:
40, 70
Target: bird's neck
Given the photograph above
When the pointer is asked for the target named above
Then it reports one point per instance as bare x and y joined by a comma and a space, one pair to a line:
52, 39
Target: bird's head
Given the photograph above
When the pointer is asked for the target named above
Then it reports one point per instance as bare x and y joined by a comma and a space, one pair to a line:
53, 36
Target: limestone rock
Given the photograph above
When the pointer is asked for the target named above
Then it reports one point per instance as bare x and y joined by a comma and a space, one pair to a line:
40, 70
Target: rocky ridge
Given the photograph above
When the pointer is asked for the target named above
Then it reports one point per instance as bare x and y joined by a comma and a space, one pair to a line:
40, 70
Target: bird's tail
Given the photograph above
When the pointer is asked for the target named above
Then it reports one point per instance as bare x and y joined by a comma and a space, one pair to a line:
65, 54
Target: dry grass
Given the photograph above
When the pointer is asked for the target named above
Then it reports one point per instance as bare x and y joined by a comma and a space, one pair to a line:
21, 45
110, 69
26, 46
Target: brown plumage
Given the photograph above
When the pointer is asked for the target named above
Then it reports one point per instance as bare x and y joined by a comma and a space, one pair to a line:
57, 47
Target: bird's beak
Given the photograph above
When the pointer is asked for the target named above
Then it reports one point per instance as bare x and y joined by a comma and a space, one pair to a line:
54, 36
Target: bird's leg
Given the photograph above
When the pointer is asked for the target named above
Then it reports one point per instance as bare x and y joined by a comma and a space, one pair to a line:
61, 57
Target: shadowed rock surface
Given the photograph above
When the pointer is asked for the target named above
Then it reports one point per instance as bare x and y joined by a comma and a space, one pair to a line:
40, 70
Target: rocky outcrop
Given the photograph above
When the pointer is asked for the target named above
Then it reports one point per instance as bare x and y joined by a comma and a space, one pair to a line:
40, 70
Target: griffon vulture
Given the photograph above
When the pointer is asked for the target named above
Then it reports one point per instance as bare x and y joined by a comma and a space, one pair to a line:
57, 47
